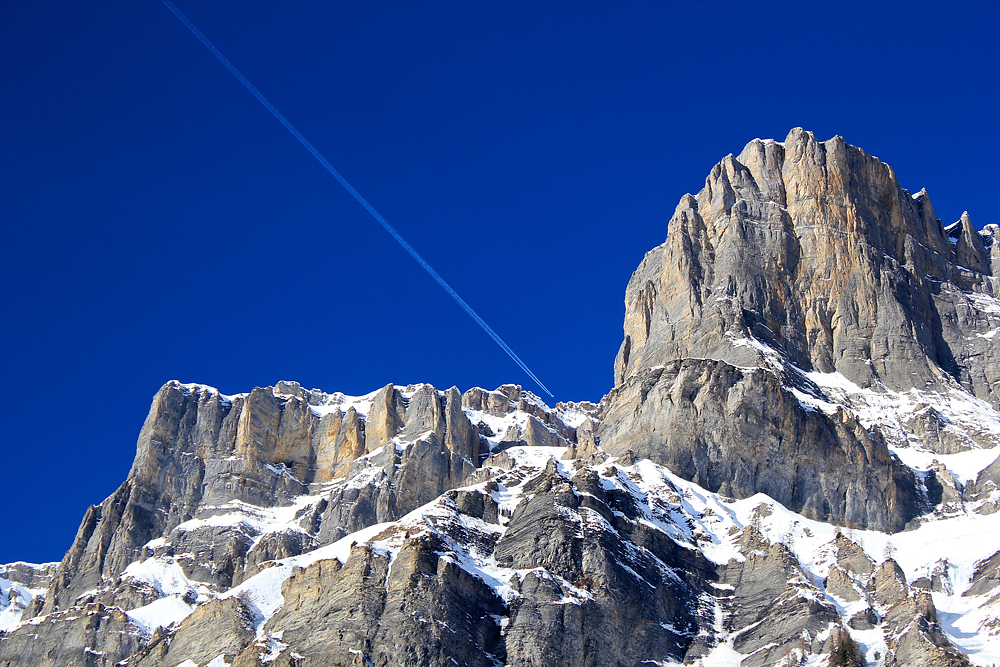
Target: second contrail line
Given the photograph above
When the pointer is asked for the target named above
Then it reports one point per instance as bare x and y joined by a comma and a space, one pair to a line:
357, 195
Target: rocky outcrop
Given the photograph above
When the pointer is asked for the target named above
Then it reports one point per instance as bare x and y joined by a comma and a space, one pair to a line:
200, 450
220, 627
809, 255
888, 585
738, 431
200, 455
92, 634
588, 563
905, 614
799, 278
914, 637
986, 576
29, 575
774, 609
420, 609
983, 492
814, 248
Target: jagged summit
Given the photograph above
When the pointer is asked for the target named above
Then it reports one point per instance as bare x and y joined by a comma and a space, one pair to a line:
815, 249
802, 298
796, 465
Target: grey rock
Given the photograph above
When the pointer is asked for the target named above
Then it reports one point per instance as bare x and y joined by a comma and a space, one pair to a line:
888, 586
586, 445
852, 558
494, 403
795, 257
865, 619
982, 490
29, 574
915, 638
424, 610
840, 584
738, 431
219, 627
991, 235
574, 537
199, 451
986, 576
940, 579
970, 248
92, 635
767, 614
272, 547
770, 249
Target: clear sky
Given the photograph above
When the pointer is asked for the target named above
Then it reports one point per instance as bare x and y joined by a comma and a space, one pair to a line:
159, 224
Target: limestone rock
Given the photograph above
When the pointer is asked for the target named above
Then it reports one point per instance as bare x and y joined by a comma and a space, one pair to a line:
199, 451
991, 234
421, 611
810, 253
737, 431
986, 576
841, 585
90, 635
852, 558
494, 403
774, 609
573, 539
914, 637
983, 491
801, 207
29, 574
220, 627
804, 315
586, 445
889, 584
866, 619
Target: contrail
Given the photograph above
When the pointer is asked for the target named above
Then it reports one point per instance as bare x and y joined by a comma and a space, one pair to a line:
361, 200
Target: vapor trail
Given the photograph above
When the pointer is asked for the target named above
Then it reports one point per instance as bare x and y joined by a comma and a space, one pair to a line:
361, 200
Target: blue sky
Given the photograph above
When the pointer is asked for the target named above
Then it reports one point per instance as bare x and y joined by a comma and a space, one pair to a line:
159, 224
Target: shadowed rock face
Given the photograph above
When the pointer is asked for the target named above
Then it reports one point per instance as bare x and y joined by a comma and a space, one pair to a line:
737, 431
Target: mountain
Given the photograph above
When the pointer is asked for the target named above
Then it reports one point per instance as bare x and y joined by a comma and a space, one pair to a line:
805, 266
796, 465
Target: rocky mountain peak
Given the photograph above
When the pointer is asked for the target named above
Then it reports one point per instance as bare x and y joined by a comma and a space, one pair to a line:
796, 466
809, 258
815, 250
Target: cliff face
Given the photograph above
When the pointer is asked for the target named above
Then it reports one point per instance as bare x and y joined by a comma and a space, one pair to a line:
808, 261
739, 431
809, 368
200, 450
816, 251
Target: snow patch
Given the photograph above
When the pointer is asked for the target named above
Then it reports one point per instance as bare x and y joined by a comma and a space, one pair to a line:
162, 613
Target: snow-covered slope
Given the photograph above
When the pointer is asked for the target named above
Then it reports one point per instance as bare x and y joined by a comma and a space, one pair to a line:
20, 583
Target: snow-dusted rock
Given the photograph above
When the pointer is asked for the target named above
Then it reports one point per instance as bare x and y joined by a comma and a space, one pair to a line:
796, 466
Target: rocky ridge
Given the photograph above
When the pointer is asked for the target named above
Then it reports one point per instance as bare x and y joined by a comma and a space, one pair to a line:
809, 368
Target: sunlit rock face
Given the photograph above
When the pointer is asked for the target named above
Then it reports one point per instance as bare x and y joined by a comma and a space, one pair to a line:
801, 299
814, 249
